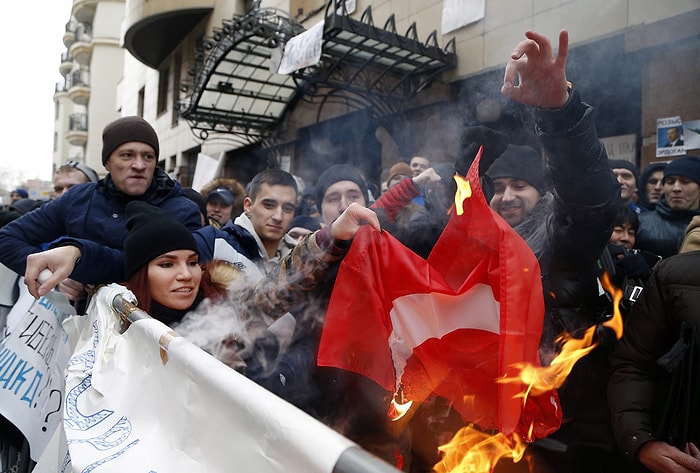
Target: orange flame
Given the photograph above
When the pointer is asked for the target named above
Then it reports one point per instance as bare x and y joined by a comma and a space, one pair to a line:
474, 451
464, 191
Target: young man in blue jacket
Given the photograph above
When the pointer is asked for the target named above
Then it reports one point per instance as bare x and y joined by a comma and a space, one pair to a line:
87, 225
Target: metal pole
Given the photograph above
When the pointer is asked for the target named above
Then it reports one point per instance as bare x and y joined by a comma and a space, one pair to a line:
357, 460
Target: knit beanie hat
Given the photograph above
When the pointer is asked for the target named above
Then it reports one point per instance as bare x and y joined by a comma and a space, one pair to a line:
687, 166
305, 221
124, 130
152, 232
520, 162
22, 206
337, 173
624, 164
399, 169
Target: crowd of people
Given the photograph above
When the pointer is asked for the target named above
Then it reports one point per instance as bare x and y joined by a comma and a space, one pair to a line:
271, 251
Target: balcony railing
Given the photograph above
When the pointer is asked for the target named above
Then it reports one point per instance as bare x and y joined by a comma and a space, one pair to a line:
78, 122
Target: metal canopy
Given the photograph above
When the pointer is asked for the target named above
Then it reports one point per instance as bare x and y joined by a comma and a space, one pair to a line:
376, 63
233, 91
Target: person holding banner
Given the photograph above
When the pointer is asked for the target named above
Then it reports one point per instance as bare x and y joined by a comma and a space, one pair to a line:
93, 215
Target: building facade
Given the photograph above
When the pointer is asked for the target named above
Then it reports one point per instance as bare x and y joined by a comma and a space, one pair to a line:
390, 83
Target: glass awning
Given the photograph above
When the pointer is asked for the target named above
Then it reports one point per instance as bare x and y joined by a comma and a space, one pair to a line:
233, 92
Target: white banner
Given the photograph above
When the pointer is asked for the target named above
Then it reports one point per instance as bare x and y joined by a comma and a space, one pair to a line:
207, 168
33, 355
303, 50
148, 400
459, 13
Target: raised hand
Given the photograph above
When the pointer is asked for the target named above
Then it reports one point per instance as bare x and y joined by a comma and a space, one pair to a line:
534, 76
349, 222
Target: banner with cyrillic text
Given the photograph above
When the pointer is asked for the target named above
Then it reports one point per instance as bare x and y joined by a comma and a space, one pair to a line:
149, 400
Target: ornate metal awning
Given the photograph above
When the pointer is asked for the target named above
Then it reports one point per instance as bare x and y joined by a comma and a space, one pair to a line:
381, 67
233, 91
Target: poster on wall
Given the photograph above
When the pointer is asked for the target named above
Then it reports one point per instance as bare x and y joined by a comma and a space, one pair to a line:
459, 13
691, 134
621, 147
669, 137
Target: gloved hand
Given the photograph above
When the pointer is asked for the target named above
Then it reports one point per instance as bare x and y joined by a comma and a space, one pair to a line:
635, 266
494, 142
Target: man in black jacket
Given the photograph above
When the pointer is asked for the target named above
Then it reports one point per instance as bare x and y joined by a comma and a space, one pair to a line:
564, 207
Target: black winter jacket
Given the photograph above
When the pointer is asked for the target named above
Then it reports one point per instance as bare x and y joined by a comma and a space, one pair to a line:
637, 391
661, 231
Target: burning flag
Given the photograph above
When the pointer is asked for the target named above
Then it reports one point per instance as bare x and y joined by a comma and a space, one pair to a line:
452, 325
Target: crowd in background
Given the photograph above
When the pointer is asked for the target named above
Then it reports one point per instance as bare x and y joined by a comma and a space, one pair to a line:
271, 249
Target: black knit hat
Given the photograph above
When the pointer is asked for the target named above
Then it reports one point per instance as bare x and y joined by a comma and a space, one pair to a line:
124, 130
624, 164
520, 162
152, 232
337, 173
687, 166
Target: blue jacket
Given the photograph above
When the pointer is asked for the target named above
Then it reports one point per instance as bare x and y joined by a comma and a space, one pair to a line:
92, 217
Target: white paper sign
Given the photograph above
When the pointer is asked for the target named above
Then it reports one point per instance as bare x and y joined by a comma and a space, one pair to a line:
207, 169
303, 50
621, 147
459, 13
668, 130
33, 356
691, 134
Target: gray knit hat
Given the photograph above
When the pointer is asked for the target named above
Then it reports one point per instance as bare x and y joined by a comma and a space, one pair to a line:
124, 130
337, 173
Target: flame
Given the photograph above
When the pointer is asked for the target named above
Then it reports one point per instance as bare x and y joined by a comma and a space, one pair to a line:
398, 410
464, 191
616, 322
474, 451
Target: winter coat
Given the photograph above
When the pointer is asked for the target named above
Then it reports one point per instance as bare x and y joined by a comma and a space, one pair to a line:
638, 385
568, 230
232, 243
661, 231
92, 217
691, 242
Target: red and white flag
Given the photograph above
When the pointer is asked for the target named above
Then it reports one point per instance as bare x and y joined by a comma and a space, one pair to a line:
452, 324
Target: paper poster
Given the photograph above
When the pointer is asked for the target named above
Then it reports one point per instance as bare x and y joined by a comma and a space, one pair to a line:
207, 169
459, 13
691, 135
621, 147
303, 50
33, 356
669, 137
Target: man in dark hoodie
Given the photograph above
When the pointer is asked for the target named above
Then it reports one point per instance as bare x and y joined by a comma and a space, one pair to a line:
94, 214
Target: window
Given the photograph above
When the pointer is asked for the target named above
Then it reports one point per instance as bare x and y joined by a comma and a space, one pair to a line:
163, 81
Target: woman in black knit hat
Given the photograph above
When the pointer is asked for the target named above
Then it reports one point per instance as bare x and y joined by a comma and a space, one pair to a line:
162, 265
